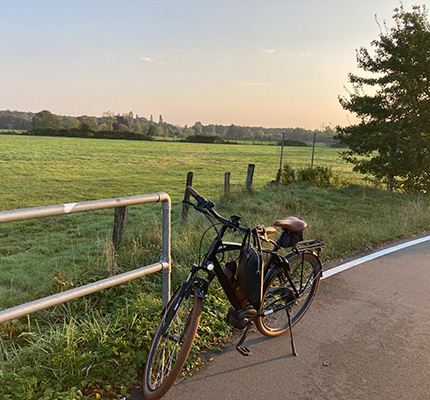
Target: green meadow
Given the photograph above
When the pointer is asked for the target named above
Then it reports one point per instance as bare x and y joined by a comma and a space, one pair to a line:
39, 171
96, 347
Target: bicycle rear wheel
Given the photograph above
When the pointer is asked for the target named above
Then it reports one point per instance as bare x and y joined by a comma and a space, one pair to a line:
171, 344
279, 297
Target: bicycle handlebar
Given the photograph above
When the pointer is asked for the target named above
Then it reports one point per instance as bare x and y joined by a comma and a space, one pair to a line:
192, 191
202, 203
207, 206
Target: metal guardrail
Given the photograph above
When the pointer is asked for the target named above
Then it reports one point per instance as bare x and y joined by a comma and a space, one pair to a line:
41, 212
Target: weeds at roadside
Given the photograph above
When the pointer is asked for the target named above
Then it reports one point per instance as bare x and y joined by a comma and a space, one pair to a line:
96, 347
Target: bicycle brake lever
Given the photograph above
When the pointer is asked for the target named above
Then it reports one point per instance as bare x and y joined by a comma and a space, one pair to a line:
198, 207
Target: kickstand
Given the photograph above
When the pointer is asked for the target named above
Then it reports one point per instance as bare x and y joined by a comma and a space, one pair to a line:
293, 348
244, 350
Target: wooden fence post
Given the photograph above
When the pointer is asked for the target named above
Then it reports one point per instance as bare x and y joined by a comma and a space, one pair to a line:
279, 174
250, 176
313, 150
119, 226
227, 183
185, 207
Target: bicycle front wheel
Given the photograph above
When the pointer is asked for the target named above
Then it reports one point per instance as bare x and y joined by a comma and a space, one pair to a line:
279, 297
171, 344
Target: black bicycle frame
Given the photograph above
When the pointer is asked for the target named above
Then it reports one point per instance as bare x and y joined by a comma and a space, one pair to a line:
212, 267
217, 271
218, 246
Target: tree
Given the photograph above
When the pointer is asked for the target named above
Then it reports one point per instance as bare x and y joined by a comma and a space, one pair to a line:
46, 120
15, 120
160, 130
116, 126
122, 120
152, 130
137, 128
186, 132
71, 123
197, 128
392, 139
258, 136
88, 123
108, 118
235, 132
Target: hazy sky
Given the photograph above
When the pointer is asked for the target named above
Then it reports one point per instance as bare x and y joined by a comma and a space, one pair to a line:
262, 63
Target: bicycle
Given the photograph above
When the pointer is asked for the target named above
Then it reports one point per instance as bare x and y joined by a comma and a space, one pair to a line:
289, 286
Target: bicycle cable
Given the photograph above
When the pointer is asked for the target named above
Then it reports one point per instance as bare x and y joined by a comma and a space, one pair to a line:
213, 225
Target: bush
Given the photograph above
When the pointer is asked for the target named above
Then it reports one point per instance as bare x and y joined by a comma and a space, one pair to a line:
288, 175
124, 135
319, 176
204, 139
315, 176
292, 143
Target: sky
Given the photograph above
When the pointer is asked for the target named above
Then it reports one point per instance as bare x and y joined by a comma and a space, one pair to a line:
271, 63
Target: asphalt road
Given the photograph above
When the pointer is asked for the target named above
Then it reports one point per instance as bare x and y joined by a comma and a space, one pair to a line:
366, 336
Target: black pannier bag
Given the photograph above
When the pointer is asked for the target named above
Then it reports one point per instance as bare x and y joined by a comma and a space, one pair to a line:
250, 269
230, 271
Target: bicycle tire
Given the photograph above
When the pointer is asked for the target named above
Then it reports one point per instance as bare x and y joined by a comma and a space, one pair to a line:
171, 344
278, 298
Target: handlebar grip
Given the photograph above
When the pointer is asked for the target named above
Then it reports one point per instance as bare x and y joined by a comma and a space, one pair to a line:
192, 192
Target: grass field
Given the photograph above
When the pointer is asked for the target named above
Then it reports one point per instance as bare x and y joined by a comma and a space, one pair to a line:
96, 347
40, 171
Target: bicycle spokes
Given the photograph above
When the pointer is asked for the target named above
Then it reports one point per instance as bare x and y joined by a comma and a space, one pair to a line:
171, 341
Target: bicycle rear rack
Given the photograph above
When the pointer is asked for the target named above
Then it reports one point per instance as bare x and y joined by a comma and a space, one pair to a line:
309, 245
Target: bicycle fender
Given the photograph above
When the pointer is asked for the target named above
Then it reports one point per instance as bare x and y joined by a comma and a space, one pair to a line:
319, 262
163, 311
272, 271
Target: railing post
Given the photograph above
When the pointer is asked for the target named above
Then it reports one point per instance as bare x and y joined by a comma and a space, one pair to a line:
166, 251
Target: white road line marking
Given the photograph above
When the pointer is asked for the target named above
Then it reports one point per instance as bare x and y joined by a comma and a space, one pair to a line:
354, 263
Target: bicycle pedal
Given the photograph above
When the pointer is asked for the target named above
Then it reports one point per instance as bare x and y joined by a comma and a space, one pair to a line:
243, 350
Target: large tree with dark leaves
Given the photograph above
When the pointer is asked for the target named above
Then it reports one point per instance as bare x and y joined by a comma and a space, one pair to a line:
391, 141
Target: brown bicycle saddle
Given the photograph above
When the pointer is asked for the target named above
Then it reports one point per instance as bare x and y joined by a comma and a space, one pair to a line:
292, 224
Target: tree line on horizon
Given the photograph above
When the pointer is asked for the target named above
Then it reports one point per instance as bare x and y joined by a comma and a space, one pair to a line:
109, 121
